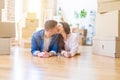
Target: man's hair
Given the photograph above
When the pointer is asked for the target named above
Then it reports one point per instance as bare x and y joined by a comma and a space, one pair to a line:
50, 24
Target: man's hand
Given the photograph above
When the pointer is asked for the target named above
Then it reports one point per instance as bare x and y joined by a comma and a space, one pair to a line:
43, 54
50, 54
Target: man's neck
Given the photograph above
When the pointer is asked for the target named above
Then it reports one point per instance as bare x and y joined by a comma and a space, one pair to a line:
46, 34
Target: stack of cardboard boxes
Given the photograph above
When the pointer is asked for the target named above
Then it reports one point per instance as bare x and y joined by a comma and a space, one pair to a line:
7, 31
31, 24
108, 5
83, 36
107, 39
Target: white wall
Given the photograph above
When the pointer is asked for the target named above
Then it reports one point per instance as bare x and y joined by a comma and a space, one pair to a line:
69, 6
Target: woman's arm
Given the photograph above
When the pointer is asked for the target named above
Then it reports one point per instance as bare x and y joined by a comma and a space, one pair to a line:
74, 44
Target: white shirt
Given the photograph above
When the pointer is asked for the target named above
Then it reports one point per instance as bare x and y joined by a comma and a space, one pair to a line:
46, 43
72, 44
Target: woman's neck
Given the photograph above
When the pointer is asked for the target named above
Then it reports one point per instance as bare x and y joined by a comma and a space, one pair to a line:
68, 35
65, 36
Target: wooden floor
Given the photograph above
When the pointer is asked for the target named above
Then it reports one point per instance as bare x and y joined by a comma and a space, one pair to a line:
20, 65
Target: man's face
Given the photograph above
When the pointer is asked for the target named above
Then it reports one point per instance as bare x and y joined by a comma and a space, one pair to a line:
54, 30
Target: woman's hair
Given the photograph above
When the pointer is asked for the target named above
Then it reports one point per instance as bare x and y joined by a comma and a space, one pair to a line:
60, 37
66, 27
60, 43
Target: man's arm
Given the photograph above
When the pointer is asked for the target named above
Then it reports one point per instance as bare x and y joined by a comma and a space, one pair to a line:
54, 49
34, 47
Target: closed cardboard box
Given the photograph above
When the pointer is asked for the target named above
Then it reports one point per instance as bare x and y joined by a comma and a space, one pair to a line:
75, 29
107, 46
27, 32
108, 6
108, 24
4, 46
32, 23
7, 29
31, 15
82, 41
101, 1
26, 43
2, 4
83, 32
0, 16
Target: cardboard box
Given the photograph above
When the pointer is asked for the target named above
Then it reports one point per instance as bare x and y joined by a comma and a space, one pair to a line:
32, 23
14, 42
108, 6
7, 29
0, 16
82, 41
83, 32
107, 46
101, 1
27, 33
25, 43
75, 30
2, 4
31, 16
108, 24
5, 46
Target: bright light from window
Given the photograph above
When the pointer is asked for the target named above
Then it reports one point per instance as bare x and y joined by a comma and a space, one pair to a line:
33, 5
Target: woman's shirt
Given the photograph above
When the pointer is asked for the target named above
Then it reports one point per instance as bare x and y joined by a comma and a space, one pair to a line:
72, 44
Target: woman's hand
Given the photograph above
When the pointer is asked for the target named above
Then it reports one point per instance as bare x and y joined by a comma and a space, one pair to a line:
68, 55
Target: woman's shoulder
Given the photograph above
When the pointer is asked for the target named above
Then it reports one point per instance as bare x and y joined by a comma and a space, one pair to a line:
74, 35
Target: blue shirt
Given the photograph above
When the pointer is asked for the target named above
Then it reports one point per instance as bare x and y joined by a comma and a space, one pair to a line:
37, 42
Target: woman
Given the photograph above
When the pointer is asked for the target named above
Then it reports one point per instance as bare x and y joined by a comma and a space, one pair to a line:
71, 42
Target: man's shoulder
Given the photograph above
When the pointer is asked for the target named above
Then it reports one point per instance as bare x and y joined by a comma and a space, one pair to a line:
40, 32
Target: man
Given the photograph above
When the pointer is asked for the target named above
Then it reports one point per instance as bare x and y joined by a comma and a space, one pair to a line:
44, 42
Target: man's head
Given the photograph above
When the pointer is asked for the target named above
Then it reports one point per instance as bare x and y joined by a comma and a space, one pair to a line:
51, 27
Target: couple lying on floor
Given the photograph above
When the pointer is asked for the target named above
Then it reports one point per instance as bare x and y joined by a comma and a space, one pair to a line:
55, 38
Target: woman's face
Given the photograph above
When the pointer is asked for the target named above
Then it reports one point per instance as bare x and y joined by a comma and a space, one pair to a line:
60, 28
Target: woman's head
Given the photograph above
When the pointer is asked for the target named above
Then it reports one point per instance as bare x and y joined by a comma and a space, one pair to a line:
64, 27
